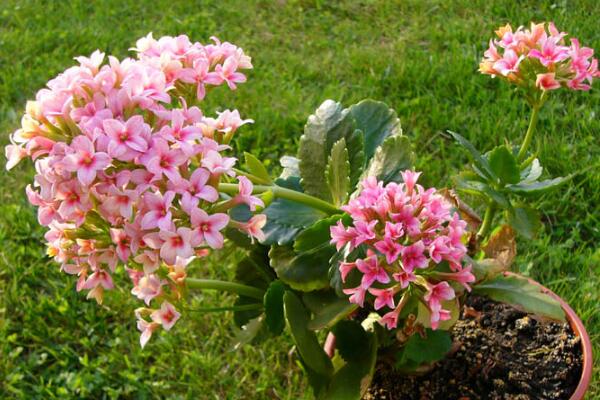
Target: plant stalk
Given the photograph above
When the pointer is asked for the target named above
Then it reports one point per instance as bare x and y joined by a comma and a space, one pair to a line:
488, 217
225, 286
531, 128
284, 193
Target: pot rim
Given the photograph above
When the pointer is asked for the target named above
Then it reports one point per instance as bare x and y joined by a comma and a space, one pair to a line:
579, 330
572, 318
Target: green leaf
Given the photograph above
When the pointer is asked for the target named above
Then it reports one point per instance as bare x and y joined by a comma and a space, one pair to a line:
480, 188
256, 168
285, 218
480, 161
394, 156
273, 303
532, 172
326, 126
290, 165
377, 122
540, 187
352, 380
504, 165
338, 173
306, 341
327, 308
316, 234
519, 291
355, 143
252, 270
305, 271
249, 331
525, 220
432, 347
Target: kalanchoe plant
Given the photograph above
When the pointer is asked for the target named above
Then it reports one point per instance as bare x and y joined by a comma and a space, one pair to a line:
345, 241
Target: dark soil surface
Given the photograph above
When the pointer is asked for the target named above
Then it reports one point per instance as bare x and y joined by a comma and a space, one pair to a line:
501, 353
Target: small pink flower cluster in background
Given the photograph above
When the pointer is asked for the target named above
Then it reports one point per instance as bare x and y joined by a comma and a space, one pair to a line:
405, 233
539, 57
127, 171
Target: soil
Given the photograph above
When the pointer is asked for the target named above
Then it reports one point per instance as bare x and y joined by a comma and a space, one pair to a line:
500, 353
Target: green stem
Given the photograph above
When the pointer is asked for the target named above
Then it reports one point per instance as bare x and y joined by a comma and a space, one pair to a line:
245, 307
488, 217
225, 286
253, 178
531, 128
278, 191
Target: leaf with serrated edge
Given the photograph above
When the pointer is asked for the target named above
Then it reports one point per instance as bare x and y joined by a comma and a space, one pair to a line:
525, 220
377, 122
519, 291
338, 173
326, 126
316, 234
539, 187
504, 164
305, 271
391, 158
273, 304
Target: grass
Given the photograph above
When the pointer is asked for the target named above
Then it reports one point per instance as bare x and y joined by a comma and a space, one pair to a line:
418, 56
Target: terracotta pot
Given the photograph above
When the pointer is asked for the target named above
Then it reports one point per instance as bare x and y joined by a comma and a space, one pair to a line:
576, 325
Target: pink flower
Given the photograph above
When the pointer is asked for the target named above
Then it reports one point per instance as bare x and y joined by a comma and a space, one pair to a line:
389, 248
547, 81
217, 164
14, 153
372, 271
180, 133
128, 139
438, 314
147, 329
340, 236
208, 227
383, 298
198, 189
464, 277
390, 319
413, 257
166, 316
365, 231
85, 160
99, 278
509, 63
436, 293
345, 268
244, 195
121, 240
357, 295
550, 53
147, 288
410, 179
254, 227
228, 71
176, 244
160, 159
158, 210
404, 278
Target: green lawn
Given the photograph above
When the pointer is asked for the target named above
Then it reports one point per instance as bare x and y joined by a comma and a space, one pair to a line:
418, 56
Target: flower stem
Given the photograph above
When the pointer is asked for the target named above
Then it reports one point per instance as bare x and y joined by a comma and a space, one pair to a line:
531, 128
285, 193
225, 286
488, 217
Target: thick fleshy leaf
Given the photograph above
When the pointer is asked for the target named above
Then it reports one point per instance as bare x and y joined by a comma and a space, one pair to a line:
355, 143
327, 308
273, 303
305, 271
326, 126
480, 188
504, 164
391, 158
316, 234
256, 168
520, 292
424, 315
306, 341
540, 187
377, 122
418, 349
285, 218
338, 173
525, 220
532, 172
359, 350
290, 165
481, 163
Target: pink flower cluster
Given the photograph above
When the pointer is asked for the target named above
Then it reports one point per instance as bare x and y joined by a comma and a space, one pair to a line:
127, 171
407, 234
539, 57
